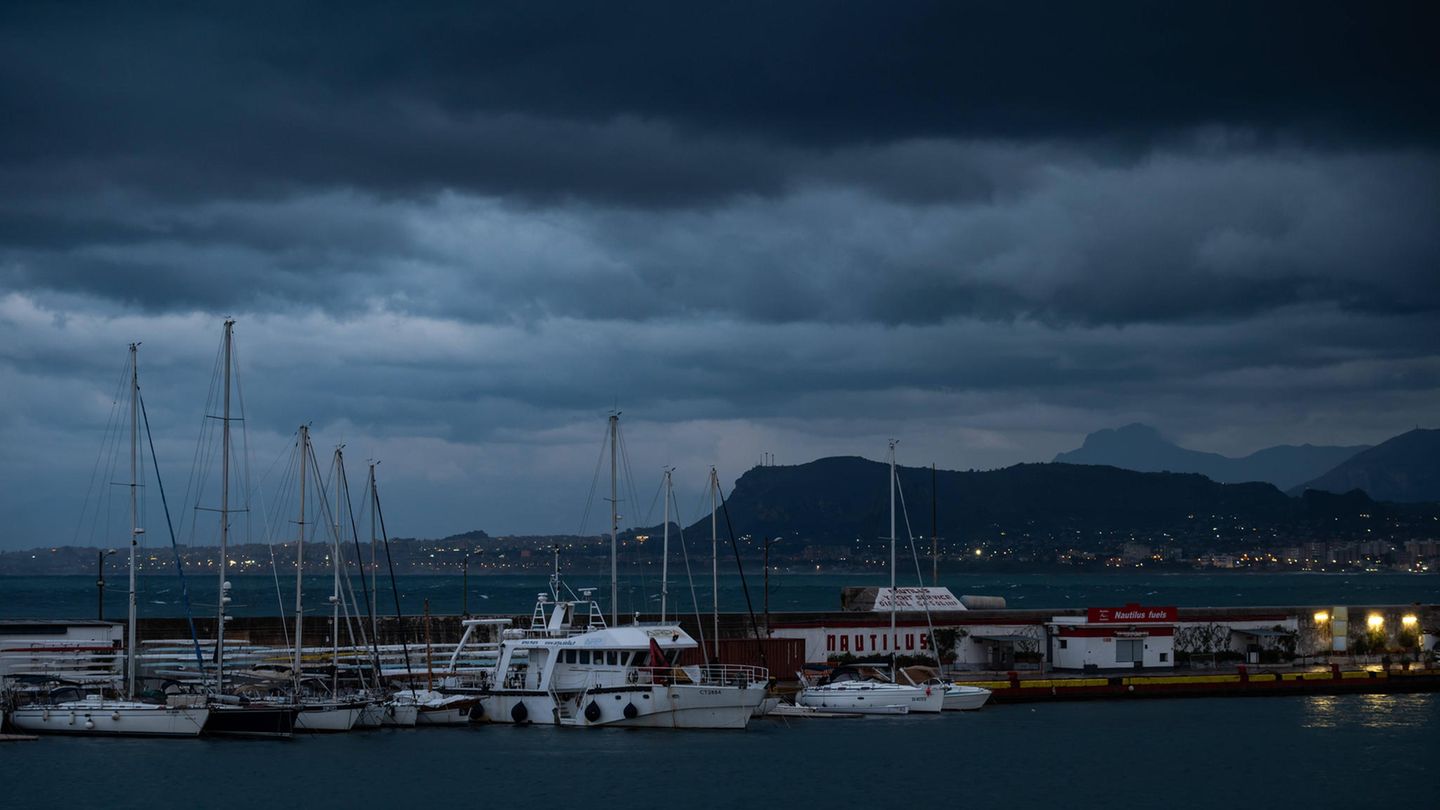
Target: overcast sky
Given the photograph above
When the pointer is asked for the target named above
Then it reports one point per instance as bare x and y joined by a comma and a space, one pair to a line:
453, 238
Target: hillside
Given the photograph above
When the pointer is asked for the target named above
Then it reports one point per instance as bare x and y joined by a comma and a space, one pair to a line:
1405, 469
1142, 448
844, 499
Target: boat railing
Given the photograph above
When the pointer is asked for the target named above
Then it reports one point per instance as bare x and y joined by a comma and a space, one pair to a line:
704, 675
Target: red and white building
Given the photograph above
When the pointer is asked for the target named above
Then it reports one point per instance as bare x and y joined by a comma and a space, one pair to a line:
1114, 638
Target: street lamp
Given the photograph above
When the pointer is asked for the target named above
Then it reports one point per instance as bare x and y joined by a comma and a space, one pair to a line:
768, 544
100, 582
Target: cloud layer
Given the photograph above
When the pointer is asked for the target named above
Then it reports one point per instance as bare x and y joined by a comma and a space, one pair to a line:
453, 237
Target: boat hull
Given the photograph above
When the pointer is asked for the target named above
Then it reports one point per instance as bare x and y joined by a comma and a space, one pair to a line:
251, 721
874, 699
675, 706
399, 715
100, 720
965, 698
326, 719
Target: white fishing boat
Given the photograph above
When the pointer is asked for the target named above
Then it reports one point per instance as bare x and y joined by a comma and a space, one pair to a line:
862, 689
570, 668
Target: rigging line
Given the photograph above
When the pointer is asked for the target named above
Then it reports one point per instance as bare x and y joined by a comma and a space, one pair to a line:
749, 607
394, 589
594, 481
360, 564
200, 461
100, 452
694, 600
174, 546
271, 520
925, 603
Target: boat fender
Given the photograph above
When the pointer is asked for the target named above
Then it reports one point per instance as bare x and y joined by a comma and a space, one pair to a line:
631, 711
478, 711
115, 717
927, 691
592, 712
518, 712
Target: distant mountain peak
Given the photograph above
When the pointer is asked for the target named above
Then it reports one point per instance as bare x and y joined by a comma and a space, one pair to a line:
1141, 447
1405, 468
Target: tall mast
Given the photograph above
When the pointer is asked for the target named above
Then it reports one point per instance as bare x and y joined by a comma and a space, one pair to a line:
300, 556
224, 514
335, 588
714, 565
614, 522
665, 551
374, 566
892, 559
135, 530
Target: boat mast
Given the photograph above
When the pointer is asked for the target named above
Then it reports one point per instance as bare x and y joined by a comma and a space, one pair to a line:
335, 588
665, 550
300, 558
893, 673
614, 522
374, 566
135, 530
714, 566
224, 514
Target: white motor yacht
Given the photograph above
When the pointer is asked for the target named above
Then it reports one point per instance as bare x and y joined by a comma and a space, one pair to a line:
571, 669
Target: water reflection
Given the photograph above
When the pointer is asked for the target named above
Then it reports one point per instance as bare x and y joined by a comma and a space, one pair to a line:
1366, 711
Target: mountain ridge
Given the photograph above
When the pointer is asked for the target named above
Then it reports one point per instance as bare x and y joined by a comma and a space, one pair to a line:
1142, 448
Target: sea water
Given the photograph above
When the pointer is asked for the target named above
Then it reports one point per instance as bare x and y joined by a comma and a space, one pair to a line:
1315, 752
74, 597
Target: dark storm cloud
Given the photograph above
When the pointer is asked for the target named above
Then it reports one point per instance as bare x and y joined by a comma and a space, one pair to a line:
511, 99
453, 235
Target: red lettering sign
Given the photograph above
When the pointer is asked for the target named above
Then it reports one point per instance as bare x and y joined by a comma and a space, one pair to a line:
1132, 614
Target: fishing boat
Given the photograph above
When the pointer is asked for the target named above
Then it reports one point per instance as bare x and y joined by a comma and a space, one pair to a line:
570, 668
864, 689
94, 712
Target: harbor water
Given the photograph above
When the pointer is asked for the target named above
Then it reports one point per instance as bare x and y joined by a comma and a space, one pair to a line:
1321, 751
161, 596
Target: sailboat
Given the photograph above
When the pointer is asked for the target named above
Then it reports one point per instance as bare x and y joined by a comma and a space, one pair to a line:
95, 713
866, 689
573, 668
232, 714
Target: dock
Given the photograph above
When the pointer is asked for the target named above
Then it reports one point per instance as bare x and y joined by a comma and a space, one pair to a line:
1241, 683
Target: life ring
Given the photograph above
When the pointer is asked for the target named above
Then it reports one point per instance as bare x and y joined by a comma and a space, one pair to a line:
592, 712
518, 712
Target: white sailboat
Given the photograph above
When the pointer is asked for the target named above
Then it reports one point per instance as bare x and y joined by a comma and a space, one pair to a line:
869, 691
95, 713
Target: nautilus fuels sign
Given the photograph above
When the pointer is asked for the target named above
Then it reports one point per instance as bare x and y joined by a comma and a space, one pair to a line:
1132, 613
916, 599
